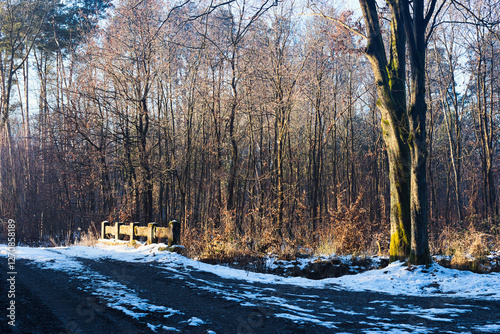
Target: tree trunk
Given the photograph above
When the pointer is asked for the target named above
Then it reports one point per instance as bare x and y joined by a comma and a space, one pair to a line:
415, 30
419, 243
399, 180
404, 129
390, 82
232, 136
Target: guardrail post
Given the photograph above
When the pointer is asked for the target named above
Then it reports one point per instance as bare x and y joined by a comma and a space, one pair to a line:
132, 230
151, 233
103, 229
117, 231
174, 235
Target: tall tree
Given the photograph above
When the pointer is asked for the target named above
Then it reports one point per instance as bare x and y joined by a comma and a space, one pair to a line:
403, 120
20, 23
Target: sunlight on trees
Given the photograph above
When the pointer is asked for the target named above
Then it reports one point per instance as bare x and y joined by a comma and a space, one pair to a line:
268, 126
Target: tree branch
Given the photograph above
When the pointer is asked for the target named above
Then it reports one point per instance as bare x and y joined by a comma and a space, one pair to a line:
478, 21
434, 23
339, 22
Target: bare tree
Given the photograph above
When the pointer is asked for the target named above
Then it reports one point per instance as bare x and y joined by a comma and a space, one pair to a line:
404, 123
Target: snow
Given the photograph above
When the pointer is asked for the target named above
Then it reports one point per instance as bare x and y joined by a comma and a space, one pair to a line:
488, 328
304, 319
395, 279
194, 321
155, 328
430, 313
421, 281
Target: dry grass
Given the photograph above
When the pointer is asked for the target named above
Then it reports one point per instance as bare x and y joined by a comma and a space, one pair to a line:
224, 245
350, 233
90, 237
347, 231
467, 247
470, 241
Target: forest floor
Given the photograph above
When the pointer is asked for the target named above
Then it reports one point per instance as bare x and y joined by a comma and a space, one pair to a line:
120, 289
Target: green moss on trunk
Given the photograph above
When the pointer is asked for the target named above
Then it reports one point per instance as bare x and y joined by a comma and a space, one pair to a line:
400, 245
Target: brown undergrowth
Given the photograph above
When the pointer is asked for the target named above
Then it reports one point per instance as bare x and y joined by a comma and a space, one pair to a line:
346, 231
89, 237
350, 232
473, 247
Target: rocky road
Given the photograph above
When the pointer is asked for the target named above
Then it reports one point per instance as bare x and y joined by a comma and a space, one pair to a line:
110, 296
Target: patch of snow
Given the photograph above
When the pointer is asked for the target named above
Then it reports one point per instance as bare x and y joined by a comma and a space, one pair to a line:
194, 321
119, 307
152, 327
336, 310
433, 318
381, 327
421, 281
493, 328
295, 308
304, 319
171, 329
430, 313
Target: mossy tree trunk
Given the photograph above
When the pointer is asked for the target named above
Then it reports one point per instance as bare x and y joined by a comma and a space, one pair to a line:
390, 82
415, 25
403, 122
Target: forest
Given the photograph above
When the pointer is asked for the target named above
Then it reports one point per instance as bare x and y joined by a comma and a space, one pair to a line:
257, 124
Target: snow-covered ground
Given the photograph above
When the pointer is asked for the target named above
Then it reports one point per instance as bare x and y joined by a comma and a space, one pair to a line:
394, 279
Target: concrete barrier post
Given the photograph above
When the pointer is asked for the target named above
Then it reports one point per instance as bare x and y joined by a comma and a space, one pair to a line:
132, 231
174, 235
117, 231
151, 233
103, 229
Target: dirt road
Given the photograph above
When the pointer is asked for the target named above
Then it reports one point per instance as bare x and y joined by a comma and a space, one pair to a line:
109, 296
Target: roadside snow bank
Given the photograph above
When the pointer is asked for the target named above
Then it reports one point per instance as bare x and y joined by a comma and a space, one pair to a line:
434, 280
394, 279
